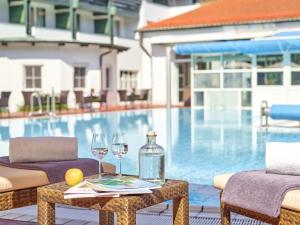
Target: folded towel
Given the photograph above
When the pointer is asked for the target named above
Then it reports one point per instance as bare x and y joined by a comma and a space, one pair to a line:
39, 149
259, 191
283, 158
56, 170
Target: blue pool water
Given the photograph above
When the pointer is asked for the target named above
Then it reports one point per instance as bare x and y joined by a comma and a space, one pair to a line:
199, 144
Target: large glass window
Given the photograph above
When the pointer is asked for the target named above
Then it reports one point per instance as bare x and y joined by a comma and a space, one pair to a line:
33, 79
40, 17
79, 77
207, 80
246, 98
63, 20
269, 78
237, 62
295, 60
128, 80
199, 98
207, 63
16, 14
269, 61
237, 80
101, 26
296, 78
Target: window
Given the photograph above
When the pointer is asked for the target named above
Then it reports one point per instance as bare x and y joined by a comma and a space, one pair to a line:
269, 61
295, 60
40, 17
16, 14
269, 78
237, 80
207, 63
199, 98
246, 98
128, 80
79, 77
207, 80
63, 20
33, 79
101, 26
296, 78
237, 62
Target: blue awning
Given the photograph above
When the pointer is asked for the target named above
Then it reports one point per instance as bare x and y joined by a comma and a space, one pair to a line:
275, 44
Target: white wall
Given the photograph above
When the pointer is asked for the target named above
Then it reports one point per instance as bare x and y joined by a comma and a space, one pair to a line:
57, 67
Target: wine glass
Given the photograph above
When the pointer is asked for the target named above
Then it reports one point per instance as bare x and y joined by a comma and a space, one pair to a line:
99, 148
119, 148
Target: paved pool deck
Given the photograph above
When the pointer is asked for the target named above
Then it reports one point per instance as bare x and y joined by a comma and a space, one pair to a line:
206, 213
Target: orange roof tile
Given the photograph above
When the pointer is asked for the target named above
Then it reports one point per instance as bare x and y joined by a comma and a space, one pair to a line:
229, 12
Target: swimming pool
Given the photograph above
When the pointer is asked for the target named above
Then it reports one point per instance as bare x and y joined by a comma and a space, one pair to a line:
199, 143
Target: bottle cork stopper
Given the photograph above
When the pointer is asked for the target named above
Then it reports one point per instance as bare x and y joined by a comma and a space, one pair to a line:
151, 133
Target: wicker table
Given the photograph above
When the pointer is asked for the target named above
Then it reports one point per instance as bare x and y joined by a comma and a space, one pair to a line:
125, 206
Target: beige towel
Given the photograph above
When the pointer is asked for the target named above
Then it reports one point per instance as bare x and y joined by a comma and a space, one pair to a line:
39, 149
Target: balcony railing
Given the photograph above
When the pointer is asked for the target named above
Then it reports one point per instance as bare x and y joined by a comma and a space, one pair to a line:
126, 5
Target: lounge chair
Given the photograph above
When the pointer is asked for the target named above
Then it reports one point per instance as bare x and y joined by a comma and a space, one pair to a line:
289, 213
18, 187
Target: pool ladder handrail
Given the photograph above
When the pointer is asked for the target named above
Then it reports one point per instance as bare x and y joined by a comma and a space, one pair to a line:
264, 114
40, 110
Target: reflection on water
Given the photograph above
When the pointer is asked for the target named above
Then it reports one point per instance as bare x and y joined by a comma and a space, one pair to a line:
199, 143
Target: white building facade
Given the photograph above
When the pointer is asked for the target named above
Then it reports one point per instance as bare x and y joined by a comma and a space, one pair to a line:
217, 78
53, 58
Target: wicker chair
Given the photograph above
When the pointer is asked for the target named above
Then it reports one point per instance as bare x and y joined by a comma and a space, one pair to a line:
79, 99
289, 213
103, 98
63, 99
123, 96
27, 96
4, 100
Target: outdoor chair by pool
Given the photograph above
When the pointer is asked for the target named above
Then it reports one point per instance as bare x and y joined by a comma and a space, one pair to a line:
27, 96
79, 99
63, 99
123, 96
289, 212
4, 101
20, 175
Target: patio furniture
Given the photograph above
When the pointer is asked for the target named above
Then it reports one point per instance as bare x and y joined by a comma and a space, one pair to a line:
79, 99
27, 96
123, 96
103, 97
144, 96
63, 99
289, 213
124, 206
18, 187
4, 101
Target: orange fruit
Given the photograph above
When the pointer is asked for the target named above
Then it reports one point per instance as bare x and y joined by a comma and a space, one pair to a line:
73, 176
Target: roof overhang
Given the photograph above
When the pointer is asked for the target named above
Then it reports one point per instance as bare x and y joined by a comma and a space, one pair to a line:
278, 43
34, 41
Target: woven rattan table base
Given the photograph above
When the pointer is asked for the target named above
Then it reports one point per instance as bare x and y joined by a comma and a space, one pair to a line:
125, 206
286, 217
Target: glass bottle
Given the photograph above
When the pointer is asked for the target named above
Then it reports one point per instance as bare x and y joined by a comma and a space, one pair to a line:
152, 160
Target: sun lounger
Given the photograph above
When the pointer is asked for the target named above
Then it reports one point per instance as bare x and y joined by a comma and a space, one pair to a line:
18, 187
289, 213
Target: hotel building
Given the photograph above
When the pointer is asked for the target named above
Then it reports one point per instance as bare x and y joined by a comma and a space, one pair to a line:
227, 54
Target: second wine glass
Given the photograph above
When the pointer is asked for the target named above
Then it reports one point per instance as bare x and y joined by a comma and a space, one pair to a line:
119, 148
99, 148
